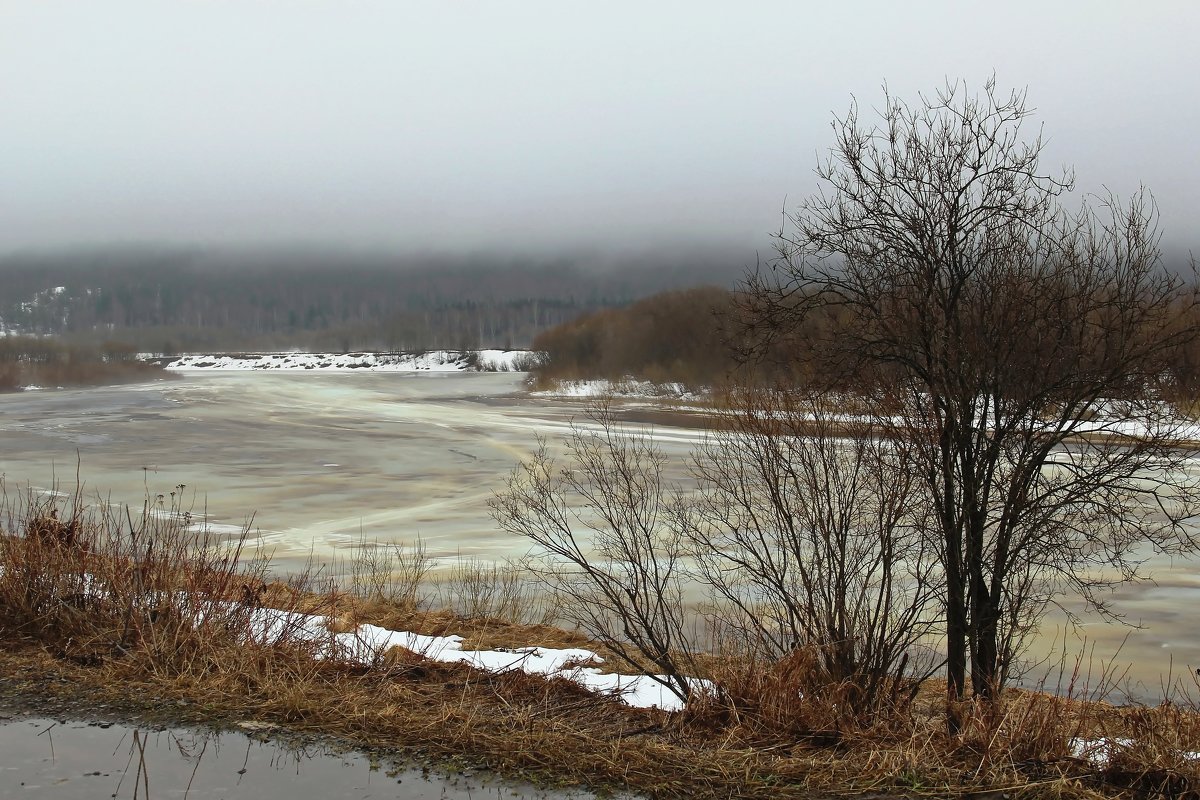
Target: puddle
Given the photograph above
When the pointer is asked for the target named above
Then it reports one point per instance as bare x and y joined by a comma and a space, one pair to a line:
66, 760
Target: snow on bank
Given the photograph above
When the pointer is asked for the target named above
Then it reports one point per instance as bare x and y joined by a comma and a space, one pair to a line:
1109, 419
366, 644
428, 361
1101, 752
573, 663
628, 388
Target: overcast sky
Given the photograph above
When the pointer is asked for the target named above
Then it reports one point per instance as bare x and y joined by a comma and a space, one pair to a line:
537, 125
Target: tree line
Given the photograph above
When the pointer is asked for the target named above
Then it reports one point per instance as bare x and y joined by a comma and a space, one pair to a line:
674, 336
177, 300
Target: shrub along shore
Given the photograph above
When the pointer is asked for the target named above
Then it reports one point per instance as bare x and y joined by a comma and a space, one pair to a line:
29, 362
144, 613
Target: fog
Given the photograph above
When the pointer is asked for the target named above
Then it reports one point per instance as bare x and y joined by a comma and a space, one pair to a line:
473, 126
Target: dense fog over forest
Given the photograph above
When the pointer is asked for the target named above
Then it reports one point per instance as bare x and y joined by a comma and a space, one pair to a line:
458, 175
163, 299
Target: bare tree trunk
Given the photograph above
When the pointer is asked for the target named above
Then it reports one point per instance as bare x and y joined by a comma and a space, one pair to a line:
956, 636
985, 653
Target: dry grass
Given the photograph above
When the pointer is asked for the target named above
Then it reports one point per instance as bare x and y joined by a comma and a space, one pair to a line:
506, 591
101, 606
390, 573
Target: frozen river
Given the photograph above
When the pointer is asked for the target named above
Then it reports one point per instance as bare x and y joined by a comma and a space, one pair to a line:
322, 461
318, 461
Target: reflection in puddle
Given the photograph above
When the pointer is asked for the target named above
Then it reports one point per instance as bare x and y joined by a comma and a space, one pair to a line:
44, 758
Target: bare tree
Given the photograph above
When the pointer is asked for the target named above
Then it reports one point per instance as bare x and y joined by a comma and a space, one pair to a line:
1015, 352
813, 536
607, 526
800, 540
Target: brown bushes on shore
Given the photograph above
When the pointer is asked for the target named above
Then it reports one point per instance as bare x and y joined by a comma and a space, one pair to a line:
27, 361
670, 337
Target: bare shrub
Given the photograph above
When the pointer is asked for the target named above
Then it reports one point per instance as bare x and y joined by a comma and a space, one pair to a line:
607, 527
390, 572
33, 361
506, 590
10, 377
812, 535
808, 541
528, 361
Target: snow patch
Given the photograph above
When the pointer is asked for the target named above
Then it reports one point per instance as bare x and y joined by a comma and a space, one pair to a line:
572, 663
429, 361
628, 388
366, 644
1100, 752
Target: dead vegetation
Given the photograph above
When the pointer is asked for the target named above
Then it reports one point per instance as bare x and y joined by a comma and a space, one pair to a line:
140, 611
29, 361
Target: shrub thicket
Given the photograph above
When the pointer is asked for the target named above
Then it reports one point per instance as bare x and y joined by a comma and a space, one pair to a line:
670, 337
37, 361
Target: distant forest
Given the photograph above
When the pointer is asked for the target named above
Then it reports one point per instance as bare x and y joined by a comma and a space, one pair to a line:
696, 337
699, 337
174, 300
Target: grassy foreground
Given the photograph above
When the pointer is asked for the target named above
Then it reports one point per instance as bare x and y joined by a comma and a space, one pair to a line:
101, 607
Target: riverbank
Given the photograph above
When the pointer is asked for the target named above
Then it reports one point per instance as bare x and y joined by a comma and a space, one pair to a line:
453, 718
137, 617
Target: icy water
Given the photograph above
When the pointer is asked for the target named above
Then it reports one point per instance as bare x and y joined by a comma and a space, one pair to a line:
44, 759
315, 462
325, 460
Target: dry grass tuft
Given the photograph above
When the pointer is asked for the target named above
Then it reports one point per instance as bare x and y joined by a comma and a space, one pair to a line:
499, 591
